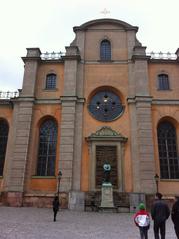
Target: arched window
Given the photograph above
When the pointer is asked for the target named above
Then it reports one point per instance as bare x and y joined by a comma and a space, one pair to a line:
167, 146
105, 50
163, 82
51, 81
4, 129
47, 148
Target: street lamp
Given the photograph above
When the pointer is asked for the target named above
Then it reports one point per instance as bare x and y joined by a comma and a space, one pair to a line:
59, 176
156, 177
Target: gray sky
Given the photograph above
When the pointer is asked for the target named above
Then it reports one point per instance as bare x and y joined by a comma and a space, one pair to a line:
48, 24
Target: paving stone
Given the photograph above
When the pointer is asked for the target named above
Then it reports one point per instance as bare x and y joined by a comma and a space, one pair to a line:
37, 223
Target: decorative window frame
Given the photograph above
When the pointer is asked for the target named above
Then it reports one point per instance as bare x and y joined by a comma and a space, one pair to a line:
163, 88
173, 124
42, 121
105, 39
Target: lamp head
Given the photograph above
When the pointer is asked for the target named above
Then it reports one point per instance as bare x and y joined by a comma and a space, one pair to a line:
156, 177
59, 175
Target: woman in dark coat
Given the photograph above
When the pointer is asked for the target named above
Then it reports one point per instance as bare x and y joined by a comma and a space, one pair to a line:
56, 205
175, 216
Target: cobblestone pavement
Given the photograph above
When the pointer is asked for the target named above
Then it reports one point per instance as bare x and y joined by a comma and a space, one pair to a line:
36, 223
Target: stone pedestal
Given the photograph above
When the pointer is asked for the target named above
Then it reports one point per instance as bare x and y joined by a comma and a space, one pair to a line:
135, 200
107, 196
76, 201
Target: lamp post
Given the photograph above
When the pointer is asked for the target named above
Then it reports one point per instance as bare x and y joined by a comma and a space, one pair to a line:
59, 176
156, 177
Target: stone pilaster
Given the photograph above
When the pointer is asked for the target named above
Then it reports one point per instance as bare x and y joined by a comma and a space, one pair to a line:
142, 148
31, 61
19, 145
142, 145
67, 137
69, 116
145, 144
71, 128
17, 150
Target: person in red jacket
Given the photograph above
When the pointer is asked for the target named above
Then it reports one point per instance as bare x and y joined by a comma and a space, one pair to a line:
142, 221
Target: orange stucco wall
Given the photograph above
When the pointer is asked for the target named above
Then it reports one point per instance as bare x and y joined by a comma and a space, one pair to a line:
41, 112
167, 111
43, 70
96, 76
111, 76
172, 70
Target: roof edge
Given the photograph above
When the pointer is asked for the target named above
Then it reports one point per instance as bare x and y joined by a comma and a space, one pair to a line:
88, 24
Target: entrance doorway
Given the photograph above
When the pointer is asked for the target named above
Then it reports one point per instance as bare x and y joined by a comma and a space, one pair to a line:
106, 145
106, 153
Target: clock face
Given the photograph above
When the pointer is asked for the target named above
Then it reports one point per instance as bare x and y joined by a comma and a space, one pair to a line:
105, 106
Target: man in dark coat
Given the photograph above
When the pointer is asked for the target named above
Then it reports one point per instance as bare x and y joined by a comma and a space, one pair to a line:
160, 212
56, 205
175, 216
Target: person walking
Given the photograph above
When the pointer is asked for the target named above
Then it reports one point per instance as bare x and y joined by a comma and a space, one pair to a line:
160, 212
175, 215
56, 205
142, 221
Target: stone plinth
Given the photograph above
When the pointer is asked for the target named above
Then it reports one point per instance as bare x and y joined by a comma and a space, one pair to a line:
76, 201
107, 196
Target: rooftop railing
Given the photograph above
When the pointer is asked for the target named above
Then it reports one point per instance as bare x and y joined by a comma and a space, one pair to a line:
8, 94
154, 55
52, 55
161, 55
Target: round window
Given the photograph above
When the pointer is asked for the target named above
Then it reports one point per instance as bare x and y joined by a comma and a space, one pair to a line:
105, 106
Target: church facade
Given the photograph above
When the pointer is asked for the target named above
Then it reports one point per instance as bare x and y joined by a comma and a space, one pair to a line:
104, 100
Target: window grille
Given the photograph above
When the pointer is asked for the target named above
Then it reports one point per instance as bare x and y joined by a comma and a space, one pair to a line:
51, 81
47, 148
4, 129
163, 82
105, 50
167, 147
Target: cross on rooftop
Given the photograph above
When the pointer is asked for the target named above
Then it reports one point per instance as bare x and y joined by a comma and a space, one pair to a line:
105, 12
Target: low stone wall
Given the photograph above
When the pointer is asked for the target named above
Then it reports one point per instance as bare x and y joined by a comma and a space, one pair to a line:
17, 199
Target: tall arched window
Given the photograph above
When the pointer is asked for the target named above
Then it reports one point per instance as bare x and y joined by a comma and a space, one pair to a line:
163, 82
51, 81
47, 148
105, 50
167, 145
4, 129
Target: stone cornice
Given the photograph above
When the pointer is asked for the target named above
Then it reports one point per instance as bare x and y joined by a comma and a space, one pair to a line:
44, 61
149, 99
140, 57
25, 59
172, 61
139, 98
111, 21
72, 57
165, 102
23, 99
106, 134
5, 102
47, 101
72, 98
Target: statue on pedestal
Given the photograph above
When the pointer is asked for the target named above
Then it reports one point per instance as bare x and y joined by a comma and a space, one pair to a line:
107, 188
107, 170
